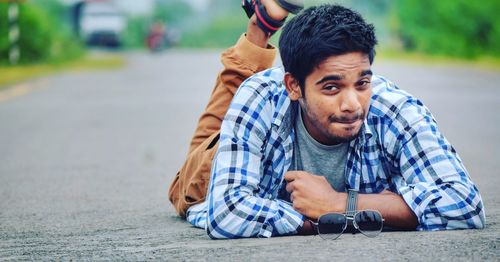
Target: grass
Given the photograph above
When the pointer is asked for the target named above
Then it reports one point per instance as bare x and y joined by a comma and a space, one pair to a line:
13, 74
222, 32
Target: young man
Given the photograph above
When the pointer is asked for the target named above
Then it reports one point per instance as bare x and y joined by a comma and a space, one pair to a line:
307, 134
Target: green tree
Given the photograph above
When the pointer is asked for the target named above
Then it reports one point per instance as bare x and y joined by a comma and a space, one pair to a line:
35, 37
42, 37
449, 27
171, 11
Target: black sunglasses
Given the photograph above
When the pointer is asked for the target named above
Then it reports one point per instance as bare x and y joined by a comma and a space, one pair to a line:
332, 225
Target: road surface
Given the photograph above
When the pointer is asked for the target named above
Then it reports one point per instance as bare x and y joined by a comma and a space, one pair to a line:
86, 159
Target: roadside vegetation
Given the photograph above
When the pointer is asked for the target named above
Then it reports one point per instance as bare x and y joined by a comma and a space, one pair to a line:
449, 31
46, 42
457, 28
446, 31
44, 35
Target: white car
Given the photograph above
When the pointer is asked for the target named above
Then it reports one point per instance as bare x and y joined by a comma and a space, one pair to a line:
102, 24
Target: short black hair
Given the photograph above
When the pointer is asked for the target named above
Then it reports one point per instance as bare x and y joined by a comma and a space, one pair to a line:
320, 32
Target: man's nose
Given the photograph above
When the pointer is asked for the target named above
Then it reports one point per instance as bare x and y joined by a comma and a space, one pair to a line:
349, 101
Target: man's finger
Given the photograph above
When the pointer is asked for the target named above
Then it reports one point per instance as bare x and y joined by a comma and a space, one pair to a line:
290, 186
291, 175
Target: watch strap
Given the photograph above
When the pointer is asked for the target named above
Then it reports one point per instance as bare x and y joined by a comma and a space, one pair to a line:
352, 203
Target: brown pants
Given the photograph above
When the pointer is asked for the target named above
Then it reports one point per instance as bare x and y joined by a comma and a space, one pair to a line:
191, 182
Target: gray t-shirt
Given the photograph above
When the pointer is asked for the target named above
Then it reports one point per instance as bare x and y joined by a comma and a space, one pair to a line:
322, 160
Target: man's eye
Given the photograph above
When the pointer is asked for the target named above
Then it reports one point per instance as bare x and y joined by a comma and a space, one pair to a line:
364, 83
330, 87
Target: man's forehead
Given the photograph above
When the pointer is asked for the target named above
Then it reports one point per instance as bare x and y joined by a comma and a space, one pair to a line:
348, 64
355, 59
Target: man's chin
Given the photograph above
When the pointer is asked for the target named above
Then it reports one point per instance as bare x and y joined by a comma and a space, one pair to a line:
336, 139
345, 139
346, 134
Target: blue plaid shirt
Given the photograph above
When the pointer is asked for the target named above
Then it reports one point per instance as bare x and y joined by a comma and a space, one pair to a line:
399, 148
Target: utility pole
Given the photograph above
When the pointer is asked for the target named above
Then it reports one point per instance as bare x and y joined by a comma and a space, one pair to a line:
14, 32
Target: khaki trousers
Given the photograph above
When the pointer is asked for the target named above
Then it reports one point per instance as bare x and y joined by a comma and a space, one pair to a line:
240, 62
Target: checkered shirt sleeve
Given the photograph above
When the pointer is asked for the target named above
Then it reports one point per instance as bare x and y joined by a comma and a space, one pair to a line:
427, 171
240, 202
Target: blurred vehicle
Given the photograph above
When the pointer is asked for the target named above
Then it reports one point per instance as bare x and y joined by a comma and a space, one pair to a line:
102, 24
156, 37
160, 37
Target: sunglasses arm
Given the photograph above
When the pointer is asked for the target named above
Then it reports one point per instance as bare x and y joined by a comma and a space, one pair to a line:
314, 227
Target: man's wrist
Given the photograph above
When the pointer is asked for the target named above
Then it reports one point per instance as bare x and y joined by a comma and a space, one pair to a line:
339, 202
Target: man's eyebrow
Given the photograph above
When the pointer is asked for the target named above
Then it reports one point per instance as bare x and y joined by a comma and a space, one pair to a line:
330, 77
365, 73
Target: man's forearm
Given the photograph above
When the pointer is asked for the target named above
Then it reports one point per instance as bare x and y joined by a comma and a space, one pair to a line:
394, 210
313, 196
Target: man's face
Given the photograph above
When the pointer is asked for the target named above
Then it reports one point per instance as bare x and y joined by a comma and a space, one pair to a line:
337, 97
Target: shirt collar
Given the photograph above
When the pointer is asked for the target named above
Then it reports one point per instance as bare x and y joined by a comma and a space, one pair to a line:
365, 133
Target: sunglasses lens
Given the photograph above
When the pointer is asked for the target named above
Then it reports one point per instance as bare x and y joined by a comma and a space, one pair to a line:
369, 222
331, 226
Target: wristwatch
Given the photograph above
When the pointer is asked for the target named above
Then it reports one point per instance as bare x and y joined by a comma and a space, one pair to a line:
352, 204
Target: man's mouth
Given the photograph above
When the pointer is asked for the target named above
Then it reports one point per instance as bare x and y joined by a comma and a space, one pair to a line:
350, 119
348, 122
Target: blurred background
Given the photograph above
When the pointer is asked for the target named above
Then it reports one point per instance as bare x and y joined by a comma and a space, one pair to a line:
99, 99
62, 30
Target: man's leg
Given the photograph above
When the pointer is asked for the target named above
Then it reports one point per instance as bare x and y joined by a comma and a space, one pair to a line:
251, 54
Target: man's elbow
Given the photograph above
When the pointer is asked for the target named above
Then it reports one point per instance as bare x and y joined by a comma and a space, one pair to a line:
222, 223
222, 227
213, 234
480, 220
468, 210
215, 231
476, 222
471, 220
214, 227
480, 225
473, 216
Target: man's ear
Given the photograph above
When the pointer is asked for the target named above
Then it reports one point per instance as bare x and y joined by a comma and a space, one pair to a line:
292, 87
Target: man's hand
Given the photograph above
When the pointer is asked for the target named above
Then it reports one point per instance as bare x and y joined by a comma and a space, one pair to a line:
312, 195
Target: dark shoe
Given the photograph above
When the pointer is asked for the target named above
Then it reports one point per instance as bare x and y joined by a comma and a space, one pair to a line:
264, 21
292, 6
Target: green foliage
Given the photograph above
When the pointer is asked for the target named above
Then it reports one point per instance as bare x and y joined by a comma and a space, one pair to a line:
42, 37
53, 8
137, 28
221, 32
35, 34
167, 12
4, 31
449, 27
171, 11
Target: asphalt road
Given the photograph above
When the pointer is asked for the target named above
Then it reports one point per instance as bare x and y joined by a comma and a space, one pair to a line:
86, 159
